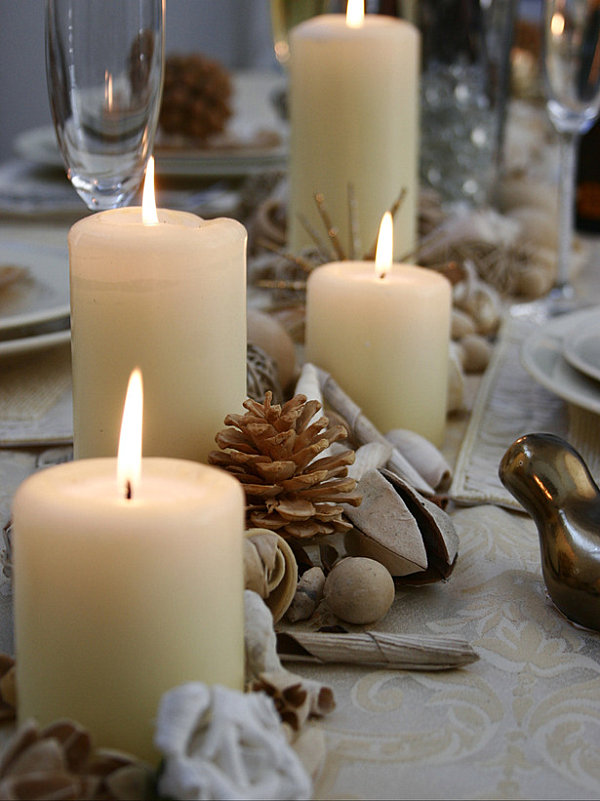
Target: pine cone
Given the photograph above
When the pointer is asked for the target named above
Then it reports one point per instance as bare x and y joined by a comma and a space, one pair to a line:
58, 762
272, 450
196, 97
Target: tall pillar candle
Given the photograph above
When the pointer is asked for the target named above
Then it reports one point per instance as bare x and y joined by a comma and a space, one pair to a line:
170, 298
118, 600
354, 120
385, 341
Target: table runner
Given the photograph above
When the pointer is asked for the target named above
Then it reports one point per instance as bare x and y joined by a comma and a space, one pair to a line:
511, 403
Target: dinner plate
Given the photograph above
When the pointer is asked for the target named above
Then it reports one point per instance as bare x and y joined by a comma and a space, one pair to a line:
542, 356
255, 139
42, 294
582, 348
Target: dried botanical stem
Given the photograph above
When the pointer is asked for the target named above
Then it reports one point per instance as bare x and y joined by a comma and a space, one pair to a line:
273, 283
332, 232
370, 255
323, 251
304, 264
355, 245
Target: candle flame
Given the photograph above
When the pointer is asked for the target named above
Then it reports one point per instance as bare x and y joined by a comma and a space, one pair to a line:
385, 245
355, 13
149, 215
129, 460
557, 24
108, 89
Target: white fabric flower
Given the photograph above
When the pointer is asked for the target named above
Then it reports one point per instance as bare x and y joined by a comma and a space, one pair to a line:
223, 744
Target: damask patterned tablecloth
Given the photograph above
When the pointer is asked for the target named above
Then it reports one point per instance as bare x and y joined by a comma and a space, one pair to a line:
524, 720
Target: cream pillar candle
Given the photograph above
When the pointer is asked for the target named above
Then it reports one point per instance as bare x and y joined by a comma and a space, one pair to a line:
354, 119
171, 298
385, 340
118, 599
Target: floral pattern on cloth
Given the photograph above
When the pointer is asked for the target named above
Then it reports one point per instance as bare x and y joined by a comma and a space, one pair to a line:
522, 722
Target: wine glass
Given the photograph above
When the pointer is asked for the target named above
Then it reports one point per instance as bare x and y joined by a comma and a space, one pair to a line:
105, 67
572, 87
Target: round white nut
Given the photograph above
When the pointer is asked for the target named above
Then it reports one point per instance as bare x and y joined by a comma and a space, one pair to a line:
359, 590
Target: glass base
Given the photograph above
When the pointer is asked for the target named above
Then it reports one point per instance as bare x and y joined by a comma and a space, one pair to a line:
99, 197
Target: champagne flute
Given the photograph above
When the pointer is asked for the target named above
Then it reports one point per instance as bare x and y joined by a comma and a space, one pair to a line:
572, 87
105, 66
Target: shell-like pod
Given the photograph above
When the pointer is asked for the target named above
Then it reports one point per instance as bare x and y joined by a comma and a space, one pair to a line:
308, 595
385, 529
270, 569
423, 456
395, 525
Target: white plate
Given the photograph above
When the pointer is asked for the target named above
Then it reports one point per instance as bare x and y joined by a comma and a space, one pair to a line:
42, 295
25, 345
582, 348
542, 357
254, 116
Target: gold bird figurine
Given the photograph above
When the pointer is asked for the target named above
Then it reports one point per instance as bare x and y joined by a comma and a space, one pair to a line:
552, 482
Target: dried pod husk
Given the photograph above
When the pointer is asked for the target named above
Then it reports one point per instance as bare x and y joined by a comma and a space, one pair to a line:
476, 352
359, 590
410, 535
270, 569
456, 379
537, 279
461, 324
439, 535
385, 529
423, 455
309, 593
266, 332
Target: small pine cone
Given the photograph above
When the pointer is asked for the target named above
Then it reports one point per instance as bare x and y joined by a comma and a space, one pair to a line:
272, 450
58, 762
196, 97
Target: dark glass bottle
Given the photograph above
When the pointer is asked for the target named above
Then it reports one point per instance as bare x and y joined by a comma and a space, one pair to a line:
587, 193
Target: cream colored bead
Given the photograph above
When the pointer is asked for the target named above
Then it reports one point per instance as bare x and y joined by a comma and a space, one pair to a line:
359, 590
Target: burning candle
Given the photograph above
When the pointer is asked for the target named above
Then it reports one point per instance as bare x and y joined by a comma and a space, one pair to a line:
382, 330
166, 291
353, 121
128, 582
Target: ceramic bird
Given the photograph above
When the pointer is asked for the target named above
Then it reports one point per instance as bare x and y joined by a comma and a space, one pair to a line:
552, 482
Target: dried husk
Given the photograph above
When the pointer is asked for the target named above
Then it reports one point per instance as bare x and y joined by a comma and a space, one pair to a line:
270, 569
385, 529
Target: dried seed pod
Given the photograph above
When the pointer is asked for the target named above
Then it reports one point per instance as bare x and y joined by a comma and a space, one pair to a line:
476, 353
270, 569
309, 593
359, 590
461, 324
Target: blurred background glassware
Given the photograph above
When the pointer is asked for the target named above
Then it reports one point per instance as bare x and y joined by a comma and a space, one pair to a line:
464, 92
571, 69
105, 67
285, 14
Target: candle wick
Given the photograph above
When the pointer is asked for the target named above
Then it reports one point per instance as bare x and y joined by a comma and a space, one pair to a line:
128, 491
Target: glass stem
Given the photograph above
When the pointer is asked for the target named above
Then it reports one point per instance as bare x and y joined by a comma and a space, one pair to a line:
566, 199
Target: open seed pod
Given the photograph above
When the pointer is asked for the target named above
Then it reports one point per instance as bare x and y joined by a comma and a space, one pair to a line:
398, 527
270, 569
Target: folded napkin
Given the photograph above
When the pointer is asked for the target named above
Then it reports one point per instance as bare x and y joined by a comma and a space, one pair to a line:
36, 405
